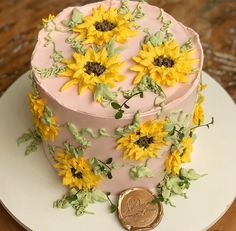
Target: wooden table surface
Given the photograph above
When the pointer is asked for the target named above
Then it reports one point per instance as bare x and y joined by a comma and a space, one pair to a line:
214, 20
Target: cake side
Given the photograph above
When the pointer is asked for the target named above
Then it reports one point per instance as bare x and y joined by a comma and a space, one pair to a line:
179, 97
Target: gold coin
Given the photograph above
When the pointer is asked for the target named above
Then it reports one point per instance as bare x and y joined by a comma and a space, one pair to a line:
136, 211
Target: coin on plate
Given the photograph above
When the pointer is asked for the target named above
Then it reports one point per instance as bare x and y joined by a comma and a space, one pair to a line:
136, 210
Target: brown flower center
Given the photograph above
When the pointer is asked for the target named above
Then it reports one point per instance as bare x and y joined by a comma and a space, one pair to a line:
95, 68
76, 174
163, 61
144, 141
104, 26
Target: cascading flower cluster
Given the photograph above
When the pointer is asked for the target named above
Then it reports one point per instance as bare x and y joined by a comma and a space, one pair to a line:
198, 114
179, 156
44, 121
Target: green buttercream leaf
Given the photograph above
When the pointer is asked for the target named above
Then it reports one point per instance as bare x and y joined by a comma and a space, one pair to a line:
77, 16
156, 39
66, 22
49, 72
77, 45
74, 151
77, 135
111, 49
131, 127
98, 195
113, 208
32, 135
119, 115
190, 174
103, 132
79, 200
57, 56
118, 50
124, 8
98, 167
115, 105
137, 13
187, 46
166, 193
103, 92
109, 161
140, 171
24, 138
146, 84
173, 185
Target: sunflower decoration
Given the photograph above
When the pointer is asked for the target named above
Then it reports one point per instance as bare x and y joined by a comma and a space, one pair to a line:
179, 156
92, 68
145, 143
76, 172
100, 27
44, 121
165, 63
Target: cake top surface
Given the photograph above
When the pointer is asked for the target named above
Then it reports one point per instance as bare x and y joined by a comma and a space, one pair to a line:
55, 42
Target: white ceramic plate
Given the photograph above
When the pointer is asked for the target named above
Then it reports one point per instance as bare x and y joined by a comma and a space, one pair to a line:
28, 185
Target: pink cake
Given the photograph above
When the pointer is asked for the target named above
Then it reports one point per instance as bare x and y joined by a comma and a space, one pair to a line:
116, 99
85, 112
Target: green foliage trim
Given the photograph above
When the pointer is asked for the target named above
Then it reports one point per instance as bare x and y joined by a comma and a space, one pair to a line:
175, 185
76, 45
122, 131
34, 137
137, 12
140, 171
78, 135
103, 92
49, 72
146, 84
35, 91
155, 39
124, 8
74, 151
76, 18
111, 49
79, 200
187, 46
101, 168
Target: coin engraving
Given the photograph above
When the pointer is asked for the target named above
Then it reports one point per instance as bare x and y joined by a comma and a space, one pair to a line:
136, 210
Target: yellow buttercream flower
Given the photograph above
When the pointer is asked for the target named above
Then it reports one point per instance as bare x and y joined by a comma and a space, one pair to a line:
76, 172
36, 106
173, 163
102, 25
187, 149
182, 155
48, 130
45, 21
198, 114
86, 71
165, 63
145, 143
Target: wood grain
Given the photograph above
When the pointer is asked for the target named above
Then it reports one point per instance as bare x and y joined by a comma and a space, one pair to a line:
214, 20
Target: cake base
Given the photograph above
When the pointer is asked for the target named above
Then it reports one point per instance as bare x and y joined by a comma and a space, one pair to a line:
29, 185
